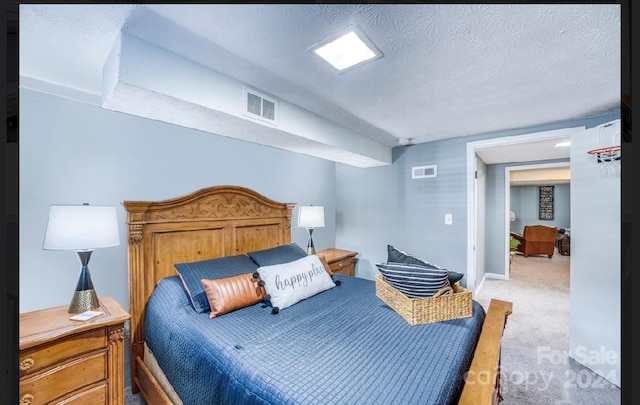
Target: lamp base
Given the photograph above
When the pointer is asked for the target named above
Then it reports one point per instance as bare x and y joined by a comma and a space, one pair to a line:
82, 301
84, 297
311, 250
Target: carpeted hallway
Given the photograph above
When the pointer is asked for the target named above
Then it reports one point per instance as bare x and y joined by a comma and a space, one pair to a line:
535, 365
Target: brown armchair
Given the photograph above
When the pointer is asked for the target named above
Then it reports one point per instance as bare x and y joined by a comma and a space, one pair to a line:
537, 240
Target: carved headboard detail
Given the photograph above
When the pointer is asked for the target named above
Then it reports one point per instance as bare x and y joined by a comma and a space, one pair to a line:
211, 222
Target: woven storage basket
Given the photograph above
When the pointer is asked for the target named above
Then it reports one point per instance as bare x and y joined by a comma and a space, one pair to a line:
453, 302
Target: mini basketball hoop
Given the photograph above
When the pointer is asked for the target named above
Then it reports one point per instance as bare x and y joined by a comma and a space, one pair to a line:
609, 159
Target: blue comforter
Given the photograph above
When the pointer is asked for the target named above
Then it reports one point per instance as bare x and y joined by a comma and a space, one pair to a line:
342, 346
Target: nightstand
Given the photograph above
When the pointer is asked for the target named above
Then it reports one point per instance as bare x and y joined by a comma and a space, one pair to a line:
340, 261
72, 362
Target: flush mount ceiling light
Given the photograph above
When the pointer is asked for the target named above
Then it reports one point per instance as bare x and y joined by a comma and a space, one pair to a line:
562, 144
347, 49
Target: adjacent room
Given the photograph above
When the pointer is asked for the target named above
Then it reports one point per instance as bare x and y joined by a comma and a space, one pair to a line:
215, 206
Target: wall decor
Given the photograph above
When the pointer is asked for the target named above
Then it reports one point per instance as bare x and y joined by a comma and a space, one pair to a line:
545, 207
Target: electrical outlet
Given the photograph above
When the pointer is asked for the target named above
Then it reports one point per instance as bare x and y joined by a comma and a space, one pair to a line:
448, 219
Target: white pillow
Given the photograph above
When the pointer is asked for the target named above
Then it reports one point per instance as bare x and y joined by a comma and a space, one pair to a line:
289, 283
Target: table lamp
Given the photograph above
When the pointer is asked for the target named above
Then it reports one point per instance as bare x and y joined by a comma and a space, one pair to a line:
82, 228
310, 217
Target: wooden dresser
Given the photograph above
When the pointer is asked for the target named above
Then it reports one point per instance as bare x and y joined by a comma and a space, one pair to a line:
72, 362
340, 261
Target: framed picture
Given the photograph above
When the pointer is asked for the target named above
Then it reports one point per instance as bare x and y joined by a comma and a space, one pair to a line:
545, 204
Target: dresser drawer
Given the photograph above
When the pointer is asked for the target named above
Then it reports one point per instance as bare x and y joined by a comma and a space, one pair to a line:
65, 378
94, 396
344, 266
32, 361
340, 261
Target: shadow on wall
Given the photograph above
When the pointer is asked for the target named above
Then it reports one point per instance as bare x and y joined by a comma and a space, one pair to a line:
365, 269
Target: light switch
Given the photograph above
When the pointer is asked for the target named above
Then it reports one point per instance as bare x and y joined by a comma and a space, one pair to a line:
448, 219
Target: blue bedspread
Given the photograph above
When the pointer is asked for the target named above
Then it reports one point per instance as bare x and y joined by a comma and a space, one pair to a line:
342, 346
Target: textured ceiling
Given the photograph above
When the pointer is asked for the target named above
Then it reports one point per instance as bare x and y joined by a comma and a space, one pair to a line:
447, 71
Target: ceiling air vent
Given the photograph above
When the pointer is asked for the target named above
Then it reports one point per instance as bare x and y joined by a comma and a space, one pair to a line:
260, 106
424, 172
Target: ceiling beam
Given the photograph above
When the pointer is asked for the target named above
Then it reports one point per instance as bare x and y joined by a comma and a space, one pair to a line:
146, 80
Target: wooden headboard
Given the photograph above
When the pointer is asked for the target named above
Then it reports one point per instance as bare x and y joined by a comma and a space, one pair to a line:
211, 222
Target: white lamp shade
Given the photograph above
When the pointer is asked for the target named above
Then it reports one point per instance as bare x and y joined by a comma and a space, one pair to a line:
512, 216
81, 227
310, 216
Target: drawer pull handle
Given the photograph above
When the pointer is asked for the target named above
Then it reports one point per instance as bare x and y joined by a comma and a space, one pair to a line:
26, 399
26, 364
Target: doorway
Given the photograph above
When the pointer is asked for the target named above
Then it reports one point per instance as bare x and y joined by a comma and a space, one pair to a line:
475, 225
540, 174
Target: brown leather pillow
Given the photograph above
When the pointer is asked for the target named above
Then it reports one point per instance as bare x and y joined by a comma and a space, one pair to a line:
325, 264
231, 293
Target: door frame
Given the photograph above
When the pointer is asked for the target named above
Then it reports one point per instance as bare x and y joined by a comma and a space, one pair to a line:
507, 200
472, 223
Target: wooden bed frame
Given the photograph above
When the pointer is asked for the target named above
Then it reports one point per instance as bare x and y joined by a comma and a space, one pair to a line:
229, 220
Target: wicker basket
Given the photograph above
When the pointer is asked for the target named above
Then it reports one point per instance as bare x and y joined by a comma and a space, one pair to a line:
449, 303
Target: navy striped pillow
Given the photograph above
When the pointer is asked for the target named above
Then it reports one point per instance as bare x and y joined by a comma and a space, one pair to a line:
395, 255
413, 280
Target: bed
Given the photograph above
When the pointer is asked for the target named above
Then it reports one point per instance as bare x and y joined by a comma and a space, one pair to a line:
342, 345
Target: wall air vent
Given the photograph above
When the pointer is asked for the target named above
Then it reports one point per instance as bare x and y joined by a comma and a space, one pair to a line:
424, 172
260, 106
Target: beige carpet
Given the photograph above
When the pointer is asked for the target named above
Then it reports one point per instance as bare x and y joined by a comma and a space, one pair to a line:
535, 366
130, 399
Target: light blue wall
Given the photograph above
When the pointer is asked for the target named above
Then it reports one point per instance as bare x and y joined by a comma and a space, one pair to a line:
481, 201
383, 205
594, 326
524, 202
72, 152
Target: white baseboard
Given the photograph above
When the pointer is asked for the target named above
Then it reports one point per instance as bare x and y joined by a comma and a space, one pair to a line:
489, 275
